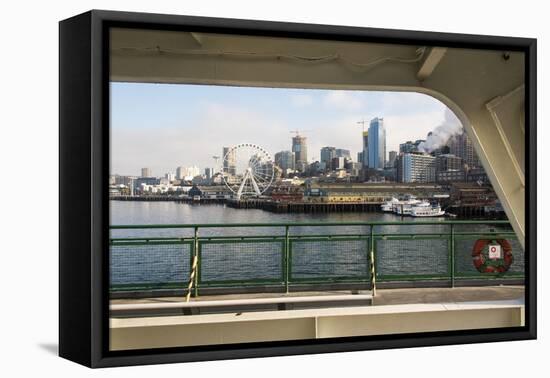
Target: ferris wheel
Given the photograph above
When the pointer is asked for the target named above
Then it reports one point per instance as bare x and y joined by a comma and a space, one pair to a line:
247, 169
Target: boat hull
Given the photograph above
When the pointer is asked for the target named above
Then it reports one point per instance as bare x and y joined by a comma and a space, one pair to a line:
435, 214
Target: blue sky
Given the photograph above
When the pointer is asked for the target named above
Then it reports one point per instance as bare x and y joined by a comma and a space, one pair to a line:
163, 126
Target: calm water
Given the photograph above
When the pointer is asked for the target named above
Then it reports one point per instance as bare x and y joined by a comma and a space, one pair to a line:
135, 212
243, 261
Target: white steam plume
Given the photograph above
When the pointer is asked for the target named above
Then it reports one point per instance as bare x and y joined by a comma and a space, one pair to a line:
450, 127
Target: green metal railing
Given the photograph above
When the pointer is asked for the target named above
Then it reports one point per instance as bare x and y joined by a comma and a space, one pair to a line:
146, 257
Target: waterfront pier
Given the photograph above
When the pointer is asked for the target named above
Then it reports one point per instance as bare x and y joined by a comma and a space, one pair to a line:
304, 207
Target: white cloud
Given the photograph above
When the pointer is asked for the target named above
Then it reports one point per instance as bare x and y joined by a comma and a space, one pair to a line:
301, 100
165, 148
342, 133
407, 102
344, 100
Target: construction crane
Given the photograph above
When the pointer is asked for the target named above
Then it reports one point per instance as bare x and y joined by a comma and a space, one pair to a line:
297, 132
362, 122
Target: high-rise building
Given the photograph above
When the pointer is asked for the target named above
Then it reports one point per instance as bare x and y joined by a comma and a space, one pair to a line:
299, 147
391, 158
449, 168
340, 152
285, 160
193, 171
180, 173
461, 146
338, 163
353, 168
187, 173
146, 172
137, 183
444, 150
448, 162
229, 161
170, 176
124, 180
365, 154
315, 168
327, 154
407, 147
209, 173
410, 146
377, 144
415, 167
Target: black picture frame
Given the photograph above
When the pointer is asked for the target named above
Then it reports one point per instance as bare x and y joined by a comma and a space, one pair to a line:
84, 163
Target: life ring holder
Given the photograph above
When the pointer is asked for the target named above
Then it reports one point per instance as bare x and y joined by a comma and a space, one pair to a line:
483, 265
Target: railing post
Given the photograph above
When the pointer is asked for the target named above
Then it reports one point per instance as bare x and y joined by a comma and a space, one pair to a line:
193, 274
452, 255
196, 237
287, 258
372, 262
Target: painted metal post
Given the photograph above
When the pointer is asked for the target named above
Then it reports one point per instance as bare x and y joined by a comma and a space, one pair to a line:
193, 269
196, 252
372, 262
287, 258
452, 255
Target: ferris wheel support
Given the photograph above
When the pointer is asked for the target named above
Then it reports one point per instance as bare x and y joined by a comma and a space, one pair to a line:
248, 176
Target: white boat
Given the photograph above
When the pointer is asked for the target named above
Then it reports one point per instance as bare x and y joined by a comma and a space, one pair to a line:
405, 207
425, 209
388, 205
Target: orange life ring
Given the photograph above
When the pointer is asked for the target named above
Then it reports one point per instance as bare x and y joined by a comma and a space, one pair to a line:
482, 263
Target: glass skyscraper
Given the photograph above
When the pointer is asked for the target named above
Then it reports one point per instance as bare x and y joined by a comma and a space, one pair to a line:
299, 147
365, 154
327, 154
285, 160
377, 144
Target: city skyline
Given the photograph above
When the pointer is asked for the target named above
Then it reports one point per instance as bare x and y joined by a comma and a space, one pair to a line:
166, 126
